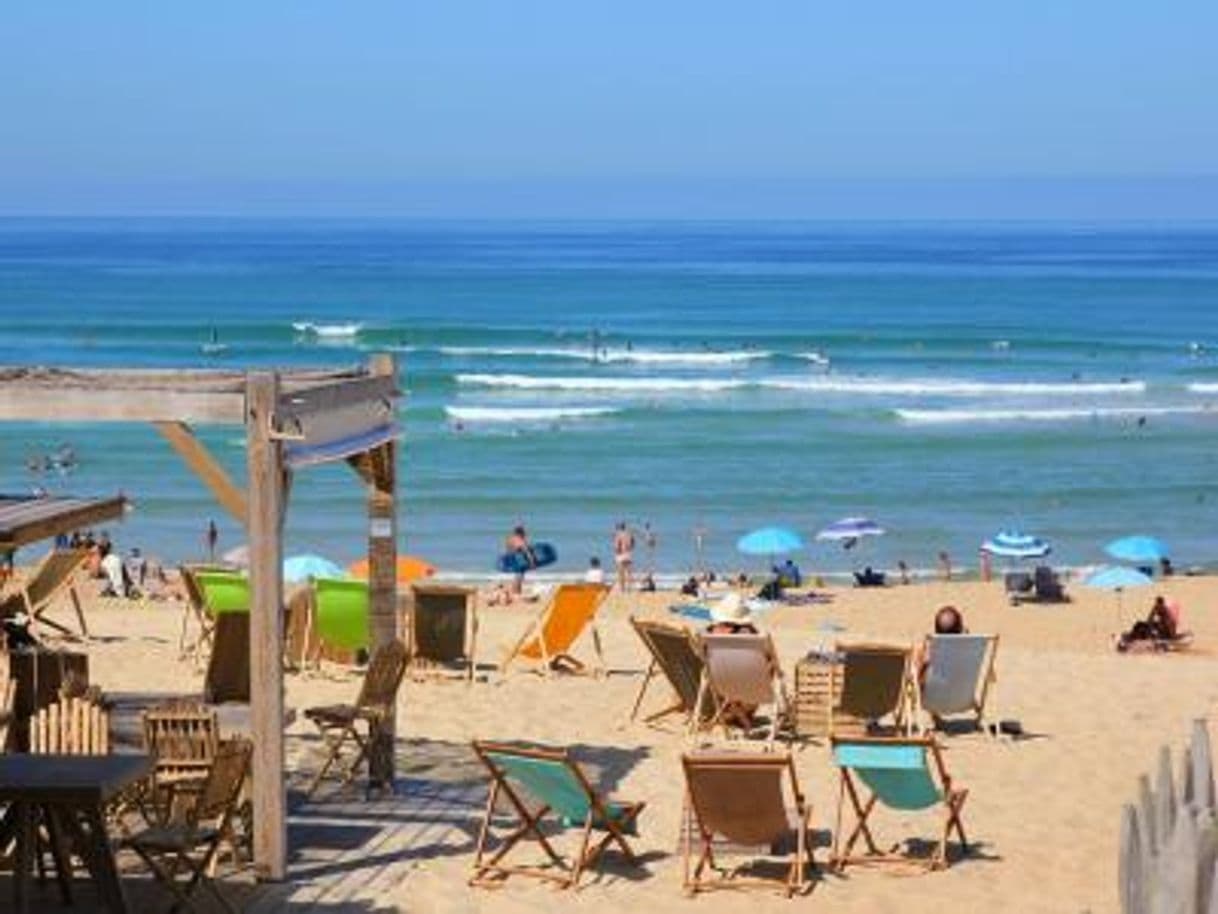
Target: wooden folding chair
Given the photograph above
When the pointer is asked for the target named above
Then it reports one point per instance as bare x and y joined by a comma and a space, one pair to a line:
340, 724
52, 577
8, 698
874, 681
188, 846
737, 799
182, 740
960, 678
903, 774
547, 643
741, 674
677, 655
538, 783
194, 609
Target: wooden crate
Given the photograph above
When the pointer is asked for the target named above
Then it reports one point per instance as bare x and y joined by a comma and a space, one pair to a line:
817, 692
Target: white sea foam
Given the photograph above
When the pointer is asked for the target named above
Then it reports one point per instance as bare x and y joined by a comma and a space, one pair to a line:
1203, 387
637, 356
330, 331
619, 385
816, 358
1066, 414
951, 387
525, 413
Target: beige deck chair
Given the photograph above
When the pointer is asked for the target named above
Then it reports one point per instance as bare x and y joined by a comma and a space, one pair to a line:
675, 653
194, 609
737, 799
547, 643
960, 677
341, 724
50, 579
188, 847
742, 674
443, 629
228, 667
876, 680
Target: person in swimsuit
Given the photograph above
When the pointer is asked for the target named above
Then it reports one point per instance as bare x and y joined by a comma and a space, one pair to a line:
623, 555
517, 543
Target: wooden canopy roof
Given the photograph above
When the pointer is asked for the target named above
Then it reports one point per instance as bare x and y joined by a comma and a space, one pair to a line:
27, 519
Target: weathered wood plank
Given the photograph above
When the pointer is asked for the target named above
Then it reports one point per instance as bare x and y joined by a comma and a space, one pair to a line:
99, 404
201, 462
266, 628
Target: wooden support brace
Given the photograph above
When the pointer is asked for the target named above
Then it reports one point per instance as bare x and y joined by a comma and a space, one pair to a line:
201, 462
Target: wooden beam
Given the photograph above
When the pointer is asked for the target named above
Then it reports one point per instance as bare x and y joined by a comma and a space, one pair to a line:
44, 519
266, 497
201, 462
383, 620
337, 395
43, 403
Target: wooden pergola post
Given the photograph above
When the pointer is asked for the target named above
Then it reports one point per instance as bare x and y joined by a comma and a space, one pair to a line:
266, 511
379, 471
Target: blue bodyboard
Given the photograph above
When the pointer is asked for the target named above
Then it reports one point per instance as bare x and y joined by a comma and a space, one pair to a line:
518, 562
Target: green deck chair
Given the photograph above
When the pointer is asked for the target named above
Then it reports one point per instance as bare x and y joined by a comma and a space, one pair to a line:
224, 591
226, 599
906, 775
340, 608
546, 782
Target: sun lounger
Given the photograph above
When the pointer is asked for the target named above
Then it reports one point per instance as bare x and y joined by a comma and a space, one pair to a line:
547, 643
875, 683
1048, 586
50, 579
541, 785
675, 653
1018, 585
905, 775
340, 613
226, 596
738, 799
960, 676
194, 609
741, 675
443, 628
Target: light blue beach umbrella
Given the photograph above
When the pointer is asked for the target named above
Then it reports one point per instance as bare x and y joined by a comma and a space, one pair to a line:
1012, 544
302, 567
770, 541
1145, 550
1118, 579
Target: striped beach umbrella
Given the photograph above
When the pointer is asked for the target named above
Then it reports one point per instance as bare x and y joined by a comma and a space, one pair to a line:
1012, 544
849, 530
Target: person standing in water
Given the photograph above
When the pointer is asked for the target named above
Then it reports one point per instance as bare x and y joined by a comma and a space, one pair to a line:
623, 555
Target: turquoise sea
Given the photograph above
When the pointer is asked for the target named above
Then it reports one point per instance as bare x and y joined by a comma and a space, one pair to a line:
945, 380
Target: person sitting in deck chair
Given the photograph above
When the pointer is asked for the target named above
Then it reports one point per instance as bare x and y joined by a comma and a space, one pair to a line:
1162, 624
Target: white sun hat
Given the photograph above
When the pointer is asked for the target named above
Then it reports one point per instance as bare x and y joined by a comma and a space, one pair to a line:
730, 608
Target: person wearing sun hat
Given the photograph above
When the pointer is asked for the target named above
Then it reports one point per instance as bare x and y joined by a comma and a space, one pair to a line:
730, 616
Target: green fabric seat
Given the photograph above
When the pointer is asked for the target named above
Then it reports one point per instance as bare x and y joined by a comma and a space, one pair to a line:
342, 612
224, 591
553, 783
898, 775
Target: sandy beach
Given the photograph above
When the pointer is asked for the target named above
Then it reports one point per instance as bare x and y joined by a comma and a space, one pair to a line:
1043, 808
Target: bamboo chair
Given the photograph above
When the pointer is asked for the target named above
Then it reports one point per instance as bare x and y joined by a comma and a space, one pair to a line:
190, 845
8, 697
75, 725
742, 673
738, 799
547, 643
340, 724
677, 655
960, 677
50, 579
903, 774
443, 628
539, 783
875, 681
182, 740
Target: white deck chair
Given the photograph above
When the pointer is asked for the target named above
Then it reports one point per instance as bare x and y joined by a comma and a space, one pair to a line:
960, 676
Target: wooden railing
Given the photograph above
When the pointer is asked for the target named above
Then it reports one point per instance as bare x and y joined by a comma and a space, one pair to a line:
1169, 837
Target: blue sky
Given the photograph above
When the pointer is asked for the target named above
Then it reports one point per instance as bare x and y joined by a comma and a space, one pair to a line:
627, 108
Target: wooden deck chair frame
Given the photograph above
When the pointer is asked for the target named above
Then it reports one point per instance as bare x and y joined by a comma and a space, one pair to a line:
802, 859
421, 666
564, 661
54, 575
987, 692
647, 630
340, 725
169, 851
720, 708
488, 864
195, 609
952, 803
906, 713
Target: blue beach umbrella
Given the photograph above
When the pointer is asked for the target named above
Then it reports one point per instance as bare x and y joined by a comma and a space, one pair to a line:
303, 567
1141, 549
1012, 544
1116, 577
770, 541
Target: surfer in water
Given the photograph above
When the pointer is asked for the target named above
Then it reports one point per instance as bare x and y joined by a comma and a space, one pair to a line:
517, 543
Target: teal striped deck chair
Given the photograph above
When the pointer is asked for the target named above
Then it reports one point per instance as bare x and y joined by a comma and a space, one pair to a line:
539, 785
906, 775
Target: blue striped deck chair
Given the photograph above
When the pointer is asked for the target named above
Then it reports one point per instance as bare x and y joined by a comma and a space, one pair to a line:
906, 775
538, 784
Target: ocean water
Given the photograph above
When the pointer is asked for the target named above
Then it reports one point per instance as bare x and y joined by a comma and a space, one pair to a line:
945, 380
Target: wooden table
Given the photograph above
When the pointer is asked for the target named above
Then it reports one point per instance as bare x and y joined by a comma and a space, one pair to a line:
71, 792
